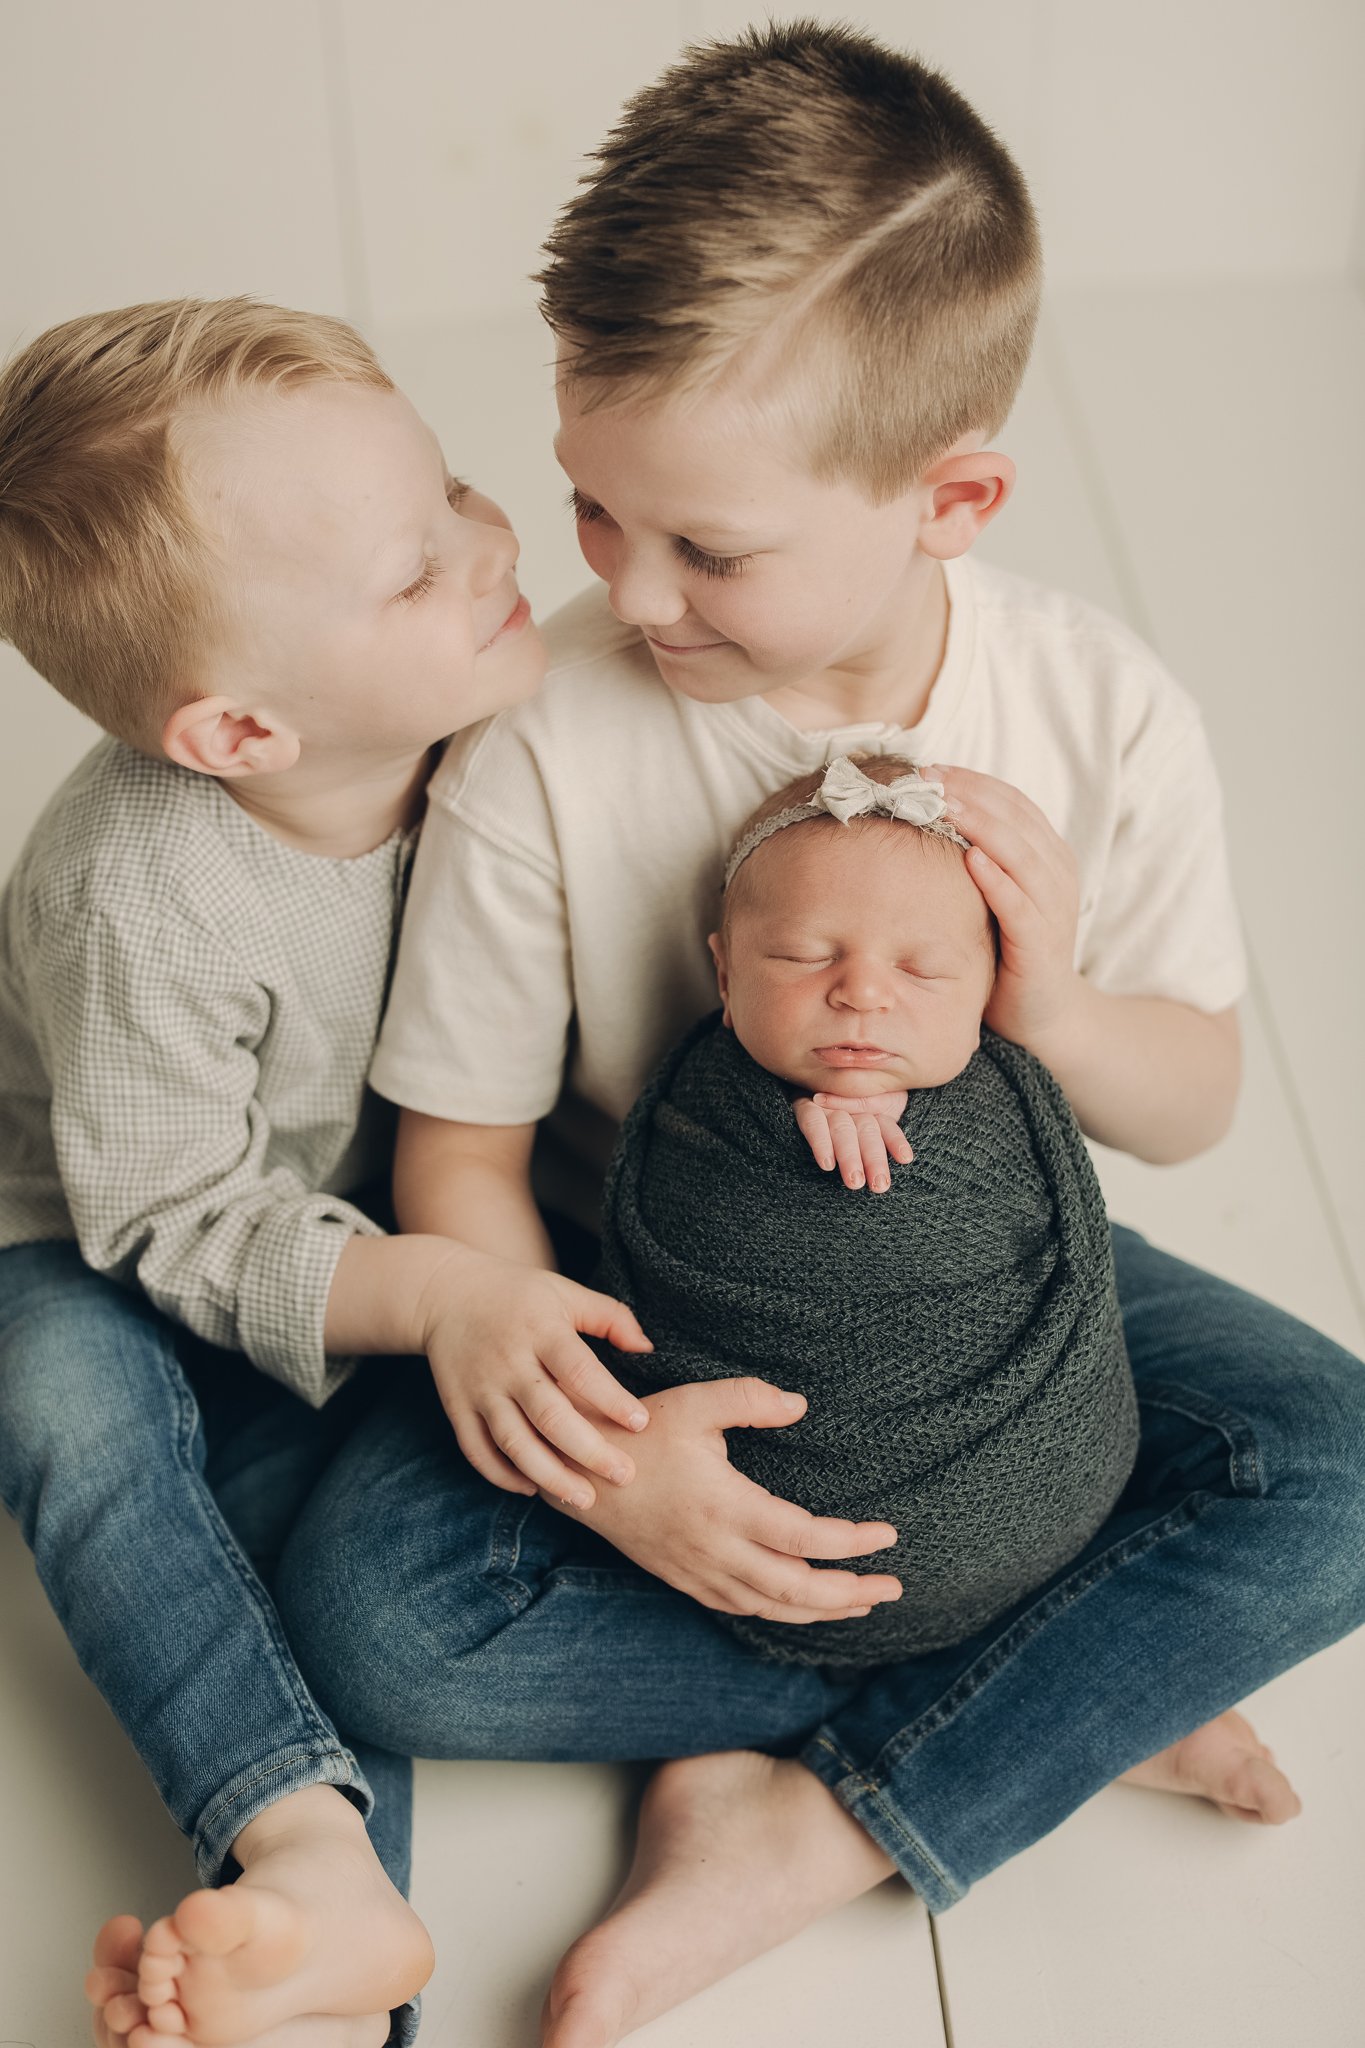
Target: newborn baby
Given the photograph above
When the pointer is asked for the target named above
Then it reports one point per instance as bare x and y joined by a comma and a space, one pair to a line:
957, 1338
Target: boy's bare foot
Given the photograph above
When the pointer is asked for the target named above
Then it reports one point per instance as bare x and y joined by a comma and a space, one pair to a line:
111, 1981
315, 2030
1223, 1761
312, 1927
736, 1853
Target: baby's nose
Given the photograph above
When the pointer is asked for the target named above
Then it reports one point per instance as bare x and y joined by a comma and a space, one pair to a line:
863, 986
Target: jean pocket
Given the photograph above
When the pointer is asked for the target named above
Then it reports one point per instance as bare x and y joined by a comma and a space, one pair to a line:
1190, 1446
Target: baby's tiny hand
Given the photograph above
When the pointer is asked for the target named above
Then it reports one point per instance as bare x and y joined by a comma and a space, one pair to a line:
859, 1134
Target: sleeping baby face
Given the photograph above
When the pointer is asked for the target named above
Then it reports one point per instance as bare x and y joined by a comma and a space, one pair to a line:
855, 959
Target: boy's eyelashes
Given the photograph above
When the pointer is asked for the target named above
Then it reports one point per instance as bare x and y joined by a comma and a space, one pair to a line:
708, 565
586, 511
456, 493
431, 569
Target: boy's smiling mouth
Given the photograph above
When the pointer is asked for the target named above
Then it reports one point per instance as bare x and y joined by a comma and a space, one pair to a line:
513, 623
688, 647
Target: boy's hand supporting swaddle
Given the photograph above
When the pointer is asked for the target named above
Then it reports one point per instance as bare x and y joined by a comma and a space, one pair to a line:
505, 1345
702, 1527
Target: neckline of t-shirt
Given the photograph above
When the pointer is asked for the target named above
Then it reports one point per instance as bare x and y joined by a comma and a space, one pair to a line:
791, 747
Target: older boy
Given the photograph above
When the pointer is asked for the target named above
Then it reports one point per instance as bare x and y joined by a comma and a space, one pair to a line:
794, 303
226, 536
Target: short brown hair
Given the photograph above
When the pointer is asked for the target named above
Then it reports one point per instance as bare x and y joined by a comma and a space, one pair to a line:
806, 184
105, 583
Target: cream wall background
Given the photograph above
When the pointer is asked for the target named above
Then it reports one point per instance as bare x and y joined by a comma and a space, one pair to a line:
400, 164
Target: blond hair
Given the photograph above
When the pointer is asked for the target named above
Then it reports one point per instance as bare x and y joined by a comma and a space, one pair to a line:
840, 205
106, 583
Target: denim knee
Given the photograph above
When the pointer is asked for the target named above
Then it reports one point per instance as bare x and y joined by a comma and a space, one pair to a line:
402, 1562
86, 1372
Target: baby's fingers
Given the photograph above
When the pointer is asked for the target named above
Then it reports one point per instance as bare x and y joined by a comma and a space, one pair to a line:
813, 1124
858, 1150
897, 1144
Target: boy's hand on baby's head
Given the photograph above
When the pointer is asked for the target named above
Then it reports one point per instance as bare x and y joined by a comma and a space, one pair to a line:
1029, 878
505, 1345
702, 1527
860, 1134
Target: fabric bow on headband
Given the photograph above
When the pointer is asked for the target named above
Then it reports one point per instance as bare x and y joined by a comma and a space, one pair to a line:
847, 793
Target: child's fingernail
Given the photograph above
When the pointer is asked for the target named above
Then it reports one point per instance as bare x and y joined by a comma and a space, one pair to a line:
880, 1185
855, 1612
794, 1400
641, 1415
618, 1475
856, 1181
580, 1500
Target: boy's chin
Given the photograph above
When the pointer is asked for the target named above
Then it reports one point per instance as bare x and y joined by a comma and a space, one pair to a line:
721, 678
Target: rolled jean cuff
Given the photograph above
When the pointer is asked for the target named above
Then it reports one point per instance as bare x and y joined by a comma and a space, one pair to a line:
405, 2022
252, 1791
863, 1797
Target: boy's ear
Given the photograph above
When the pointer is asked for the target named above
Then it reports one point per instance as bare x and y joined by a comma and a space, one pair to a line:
964, 494
214, 736
717, 946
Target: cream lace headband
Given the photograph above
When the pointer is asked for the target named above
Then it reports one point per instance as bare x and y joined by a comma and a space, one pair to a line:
847, 793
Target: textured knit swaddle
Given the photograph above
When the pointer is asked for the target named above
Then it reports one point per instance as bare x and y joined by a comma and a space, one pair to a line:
958, 1338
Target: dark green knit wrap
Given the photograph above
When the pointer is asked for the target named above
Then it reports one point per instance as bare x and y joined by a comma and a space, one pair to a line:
958, 1339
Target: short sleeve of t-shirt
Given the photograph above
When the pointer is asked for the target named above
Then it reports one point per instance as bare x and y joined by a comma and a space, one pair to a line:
477, 1025
1164, 920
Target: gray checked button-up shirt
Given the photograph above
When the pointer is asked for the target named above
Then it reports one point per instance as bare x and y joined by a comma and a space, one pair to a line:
187, 1013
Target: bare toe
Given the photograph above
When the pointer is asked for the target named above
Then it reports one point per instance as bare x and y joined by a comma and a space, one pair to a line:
161, 1939
103, 1982
215, 1923
123, 2012
118, 1942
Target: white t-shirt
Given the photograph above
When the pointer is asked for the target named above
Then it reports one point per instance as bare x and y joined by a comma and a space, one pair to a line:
569, 869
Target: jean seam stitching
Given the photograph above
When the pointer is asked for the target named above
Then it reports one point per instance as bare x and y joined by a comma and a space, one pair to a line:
285, 1670
1244, 1452
504, 1556
870, 1789
208, 1825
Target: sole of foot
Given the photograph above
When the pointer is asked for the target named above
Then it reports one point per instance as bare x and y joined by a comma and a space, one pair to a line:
311, 2030
735, 1854
1225, 1763
311, 1929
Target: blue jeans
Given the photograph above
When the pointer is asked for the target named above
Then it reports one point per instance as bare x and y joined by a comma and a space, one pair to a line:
155, 1479
441, 1617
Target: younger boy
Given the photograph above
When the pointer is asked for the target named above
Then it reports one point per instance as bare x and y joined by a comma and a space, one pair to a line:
226, 536
794, 301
